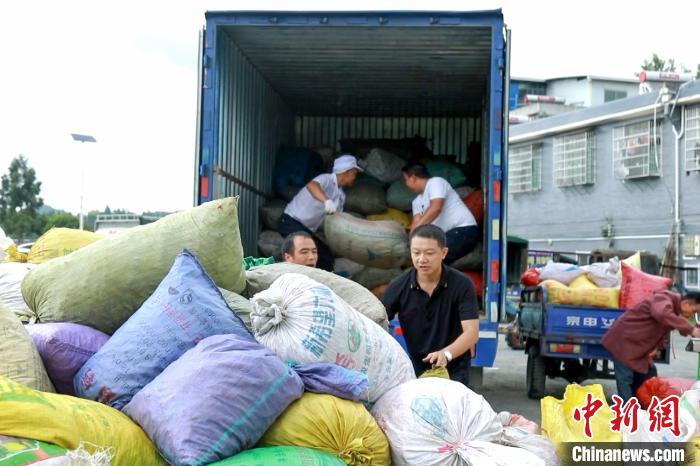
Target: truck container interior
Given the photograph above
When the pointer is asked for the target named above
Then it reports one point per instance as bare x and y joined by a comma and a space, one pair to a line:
309, 85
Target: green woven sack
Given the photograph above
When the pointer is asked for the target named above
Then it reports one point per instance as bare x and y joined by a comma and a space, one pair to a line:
103, 284
281, 456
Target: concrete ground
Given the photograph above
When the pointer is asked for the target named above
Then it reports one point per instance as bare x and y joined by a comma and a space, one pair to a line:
504, 384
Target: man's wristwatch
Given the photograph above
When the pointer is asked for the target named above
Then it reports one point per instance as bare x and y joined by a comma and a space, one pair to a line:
448, 355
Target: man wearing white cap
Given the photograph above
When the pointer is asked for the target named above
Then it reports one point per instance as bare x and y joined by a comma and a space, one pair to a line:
321, 196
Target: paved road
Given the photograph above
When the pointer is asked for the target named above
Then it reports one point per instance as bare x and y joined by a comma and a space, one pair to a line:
504, 384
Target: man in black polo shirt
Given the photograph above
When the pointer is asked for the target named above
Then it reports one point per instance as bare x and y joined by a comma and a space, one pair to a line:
437, 307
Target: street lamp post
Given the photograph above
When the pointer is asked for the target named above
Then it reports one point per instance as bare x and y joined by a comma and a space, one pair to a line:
82, 138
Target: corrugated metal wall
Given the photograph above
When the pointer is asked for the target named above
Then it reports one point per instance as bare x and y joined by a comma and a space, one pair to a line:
446, 136
253, 123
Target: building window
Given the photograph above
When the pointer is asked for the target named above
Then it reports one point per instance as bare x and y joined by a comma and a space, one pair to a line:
691, 278
525, 168
611, 95
574, 159
692, 138
637, 150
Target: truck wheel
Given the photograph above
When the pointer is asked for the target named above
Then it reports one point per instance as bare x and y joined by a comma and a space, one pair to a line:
535, 377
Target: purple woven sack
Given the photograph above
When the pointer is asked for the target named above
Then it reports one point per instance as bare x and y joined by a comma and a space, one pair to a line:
64, 348
217, 400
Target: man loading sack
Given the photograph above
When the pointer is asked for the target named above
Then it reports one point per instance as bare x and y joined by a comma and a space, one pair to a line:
438, 204
437, 307
321, 196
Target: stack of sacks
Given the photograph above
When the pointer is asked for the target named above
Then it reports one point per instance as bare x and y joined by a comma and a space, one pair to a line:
185, 308
365, 197
304, 321
402, 218
432, 421
358, 297
103, 284
282, 456
522, 433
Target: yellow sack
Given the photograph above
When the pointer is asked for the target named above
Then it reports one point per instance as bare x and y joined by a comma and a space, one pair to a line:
340, 427
558, 423
558, 293
13, 255
66, 421
635, 260
692, 452
59, 242
396, 215
583, 282
19, 358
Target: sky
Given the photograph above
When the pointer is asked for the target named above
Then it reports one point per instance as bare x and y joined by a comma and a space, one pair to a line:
126, 73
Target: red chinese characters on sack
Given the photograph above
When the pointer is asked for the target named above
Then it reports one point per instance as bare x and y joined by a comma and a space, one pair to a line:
664, 414
585, 413
625, 414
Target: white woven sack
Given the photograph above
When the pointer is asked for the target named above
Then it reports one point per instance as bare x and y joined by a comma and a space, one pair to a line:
304, 321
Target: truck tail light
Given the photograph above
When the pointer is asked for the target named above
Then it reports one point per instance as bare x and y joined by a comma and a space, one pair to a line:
563, 348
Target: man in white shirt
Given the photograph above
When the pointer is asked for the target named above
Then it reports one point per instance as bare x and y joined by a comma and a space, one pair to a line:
321, 196
438, 204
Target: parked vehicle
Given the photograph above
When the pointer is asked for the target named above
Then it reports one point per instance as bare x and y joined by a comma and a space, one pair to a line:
565, 341
309, 78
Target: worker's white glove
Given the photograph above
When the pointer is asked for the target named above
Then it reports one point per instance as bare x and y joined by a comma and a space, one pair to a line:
329, 207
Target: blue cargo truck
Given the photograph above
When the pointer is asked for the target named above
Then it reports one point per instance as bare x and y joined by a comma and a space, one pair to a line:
278, 78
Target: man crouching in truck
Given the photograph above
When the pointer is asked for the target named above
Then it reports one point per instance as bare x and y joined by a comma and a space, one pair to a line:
636, 336
437, 307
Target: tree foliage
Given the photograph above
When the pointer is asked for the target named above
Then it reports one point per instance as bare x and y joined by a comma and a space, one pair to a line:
61, 220
656, 63
20, 201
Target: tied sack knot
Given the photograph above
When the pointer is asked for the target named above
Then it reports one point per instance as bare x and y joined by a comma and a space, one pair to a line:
268, 310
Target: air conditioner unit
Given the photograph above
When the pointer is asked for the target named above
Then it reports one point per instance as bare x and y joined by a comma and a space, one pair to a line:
691, 246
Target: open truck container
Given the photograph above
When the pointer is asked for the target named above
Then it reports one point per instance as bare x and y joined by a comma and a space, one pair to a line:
305, 78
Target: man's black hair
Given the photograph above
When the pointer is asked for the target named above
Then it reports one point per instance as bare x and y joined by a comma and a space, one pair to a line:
416, 169
288, 243
692, 296
429, 232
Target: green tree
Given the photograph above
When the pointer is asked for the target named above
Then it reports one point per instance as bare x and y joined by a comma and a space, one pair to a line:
19, 201
61, 220
656, 63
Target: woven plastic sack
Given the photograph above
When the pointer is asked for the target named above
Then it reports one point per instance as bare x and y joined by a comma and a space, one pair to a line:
321, 422
271, 212
58, 242
66, 421
384, 166
64, 348
304, 321
270, 243
604, 274
558, 423
357, 296
294, 167
218, 399
447, 170
531, 277
558, 293
475, 203
240, 305
375, 244
346, 268
538, 445
432, 421
638, 286
332, 379
366, 198
185, 308
102, 285
372, 277
19, 358
11, 276
16, 451
472, 261
561, 272
281, 456
402, 218
583, 283
399, 196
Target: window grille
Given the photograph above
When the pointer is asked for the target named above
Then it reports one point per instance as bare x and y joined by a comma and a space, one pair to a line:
637, 150
525, 168
692, 138
574, 159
